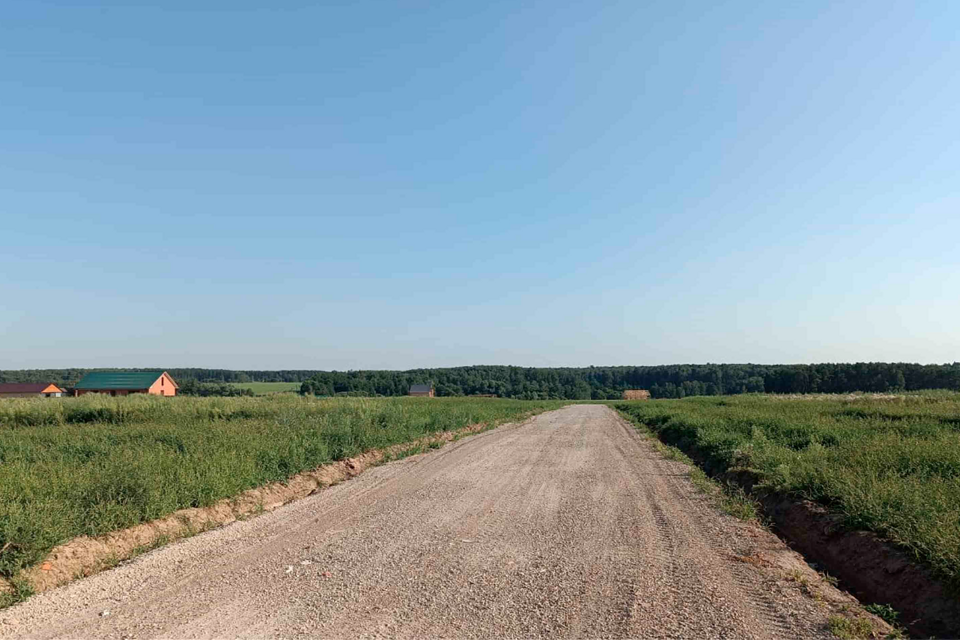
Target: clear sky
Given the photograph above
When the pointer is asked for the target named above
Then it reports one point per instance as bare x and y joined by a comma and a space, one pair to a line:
401, 184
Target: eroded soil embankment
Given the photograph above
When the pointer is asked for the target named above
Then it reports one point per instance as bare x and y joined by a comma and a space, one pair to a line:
85, 556
871, 568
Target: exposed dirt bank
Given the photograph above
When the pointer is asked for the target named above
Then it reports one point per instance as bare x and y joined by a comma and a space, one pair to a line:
871, 568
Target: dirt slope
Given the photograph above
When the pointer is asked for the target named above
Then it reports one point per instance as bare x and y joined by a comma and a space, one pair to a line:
568, 525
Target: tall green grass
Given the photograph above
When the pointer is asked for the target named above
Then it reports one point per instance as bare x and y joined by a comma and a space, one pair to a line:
890, 465
95, 464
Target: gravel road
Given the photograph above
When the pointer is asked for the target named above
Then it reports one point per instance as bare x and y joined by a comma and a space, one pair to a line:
567, 525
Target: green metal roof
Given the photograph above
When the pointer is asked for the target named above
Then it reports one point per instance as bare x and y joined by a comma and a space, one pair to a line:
118, 380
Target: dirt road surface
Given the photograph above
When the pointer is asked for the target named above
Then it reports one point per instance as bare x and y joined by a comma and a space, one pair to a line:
567, 525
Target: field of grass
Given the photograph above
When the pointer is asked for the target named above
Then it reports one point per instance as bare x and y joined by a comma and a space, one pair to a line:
266, 388
95, 464
887, 464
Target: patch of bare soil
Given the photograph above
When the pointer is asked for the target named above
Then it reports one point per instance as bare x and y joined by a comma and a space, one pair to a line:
85, 556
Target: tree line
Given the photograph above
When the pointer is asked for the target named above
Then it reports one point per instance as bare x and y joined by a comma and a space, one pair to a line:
667, 381
574, 383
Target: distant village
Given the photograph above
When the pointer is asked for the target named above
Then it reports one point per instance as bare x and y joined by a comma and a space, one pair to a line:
113, 383
161, 383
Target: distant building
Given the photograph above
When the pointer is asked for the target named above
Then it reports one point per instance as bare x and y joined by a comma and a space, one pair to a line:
636, 394
423, 390
30, 390
122, 383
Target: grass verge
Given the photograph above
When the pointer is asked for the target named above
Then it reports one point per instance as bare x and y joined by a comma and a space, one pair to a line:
729, 497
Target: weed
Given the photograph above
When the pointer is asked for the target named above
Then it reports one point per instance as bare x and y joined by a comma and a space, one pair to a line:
735, 501
884, 611
408, 451
110, 562
797, 576
850, 628
20, 590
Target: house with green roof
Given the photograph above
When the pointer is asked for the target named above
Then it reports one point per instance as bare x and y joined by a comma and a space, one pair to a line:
122, 383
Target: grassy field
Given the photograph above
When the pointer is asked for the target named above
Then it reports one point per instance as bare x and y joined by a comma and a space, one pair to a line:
887, 464
91, 465
266, 388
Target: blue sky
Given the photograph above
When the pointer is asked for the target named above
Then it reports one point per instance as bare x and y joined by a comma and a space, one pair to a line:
394, 185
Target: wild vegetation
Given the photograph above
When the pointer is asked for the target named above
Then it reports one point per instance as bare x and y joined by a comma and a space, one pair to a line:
191, 387
90, 465
266, 388
597, 383
890, 464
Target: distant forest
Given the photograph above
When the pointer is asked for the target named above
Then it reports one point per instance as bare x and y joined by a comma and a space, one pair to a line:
667, 381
